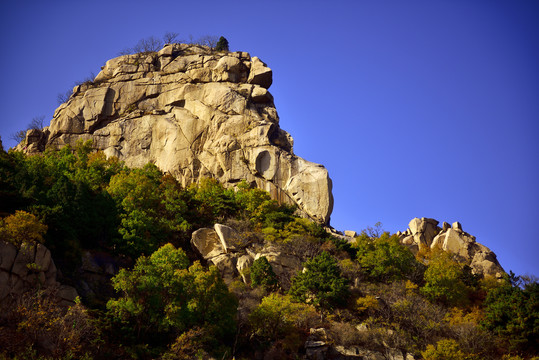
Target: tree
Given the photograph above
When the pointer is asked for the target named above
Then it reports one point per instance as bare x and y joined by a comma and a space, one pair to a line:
385, 259
278, 316
446, 349
512, 312
18, 136
208, 40
151, 209
37, 122
213, 201
164, 295
147, 45
171, 37
22, 227
64, 96
222, 44
444, 280
321, 283
262, 274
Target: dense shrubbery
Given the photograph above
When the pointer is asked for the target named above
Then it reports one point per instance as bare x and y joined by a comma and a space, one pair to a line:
385, 259
321, 284
262, 274
169, 307
163, 297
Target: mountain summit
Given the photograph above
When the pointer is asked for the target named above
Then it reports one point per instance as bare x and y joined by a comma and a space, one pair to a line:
195, 113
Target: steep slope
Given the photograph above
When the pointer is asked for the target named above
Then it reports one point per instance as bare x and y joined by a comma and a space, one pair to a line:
194, 113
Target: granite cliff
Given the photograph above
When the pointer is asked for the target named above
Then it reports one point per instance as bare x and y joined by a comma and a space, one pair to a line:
195, 113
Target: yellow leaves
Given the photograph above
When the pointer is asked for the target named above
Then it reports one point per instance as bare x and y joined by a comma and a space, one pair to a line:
22, 227
43, 319
366, 303
457, 316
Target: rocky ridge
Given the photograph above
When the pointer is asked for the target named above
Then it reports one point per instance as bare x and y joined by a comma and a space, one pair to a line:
425, 233
195, 113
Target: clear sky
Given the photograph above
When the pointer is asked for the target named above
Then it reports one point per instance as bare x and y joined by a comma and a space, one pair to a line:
417, 108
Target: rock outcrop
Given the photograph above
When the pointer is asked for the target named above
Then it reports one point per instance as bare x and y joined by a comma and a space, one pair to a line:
425, 233
29, 267
194, 113
233, 255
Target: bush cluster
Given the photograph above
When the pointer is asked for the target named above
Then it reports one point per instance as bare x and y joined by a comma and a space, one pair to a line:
372, 292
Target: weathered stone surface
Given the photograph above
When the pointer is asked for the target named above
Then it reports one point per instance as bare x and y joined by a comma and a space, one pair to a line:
243, 264
453, 239
8, 253
27, 268
260, 74
230, 239
284, 265
194, 113
226, 263
207, 243
423, 231
350, 233
455, 242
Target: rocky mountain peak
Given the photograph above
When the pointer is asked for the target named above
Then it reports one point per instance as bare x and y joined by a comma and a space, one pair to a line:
195, 113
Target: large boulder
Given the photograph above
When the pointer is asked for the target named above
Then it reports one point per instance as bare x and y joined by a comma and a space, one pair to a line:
195, 113
422, 231
233, 254
425, 234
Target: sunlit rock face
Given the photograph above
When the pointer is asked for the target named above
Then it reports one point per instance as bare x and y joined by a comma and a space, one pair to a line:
425, 234
195, 113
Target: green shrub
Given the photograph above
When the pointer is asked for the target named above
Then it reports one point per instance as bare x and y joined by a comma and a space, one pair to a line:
385, 259
443, 280
262, 274
321, 283
277, 316
163, 294
512, 313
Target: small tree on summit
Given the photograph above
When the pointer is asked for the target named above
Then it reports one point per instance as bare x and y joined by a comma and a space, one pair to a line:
222, 44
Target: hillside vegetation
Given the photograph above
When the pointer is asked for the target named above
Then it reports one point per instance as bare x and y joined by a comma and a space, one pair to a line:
370, 295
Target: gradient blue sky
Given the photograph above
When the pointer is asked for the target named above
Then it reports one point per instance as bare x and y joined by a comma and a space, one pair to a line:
417, 108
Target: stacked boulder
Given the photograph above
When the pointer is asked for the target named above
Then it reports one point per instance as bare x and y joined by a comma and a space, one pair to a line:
234, 254
29, 267
425, 234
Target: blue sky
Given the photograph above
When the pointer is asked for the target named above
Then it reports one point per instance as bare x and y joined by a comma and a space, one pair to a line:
417, 108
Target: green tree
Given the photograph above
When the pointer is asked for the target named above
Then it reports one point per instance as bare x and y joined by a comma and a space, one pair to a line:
64, 188
213, 202
385, 259
151, 209
321, 283
444, 280
262, 274
222, 44
512, 312
163, 295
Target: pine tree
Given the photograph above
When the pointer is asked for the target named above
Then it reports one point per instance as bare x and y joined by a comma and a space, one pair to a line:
222, 44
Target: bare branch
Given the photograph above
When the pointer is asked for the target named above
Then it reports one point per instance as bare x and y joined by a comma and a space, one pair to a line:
150, 44
171, 38
37, 122
208, 40
18, 136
